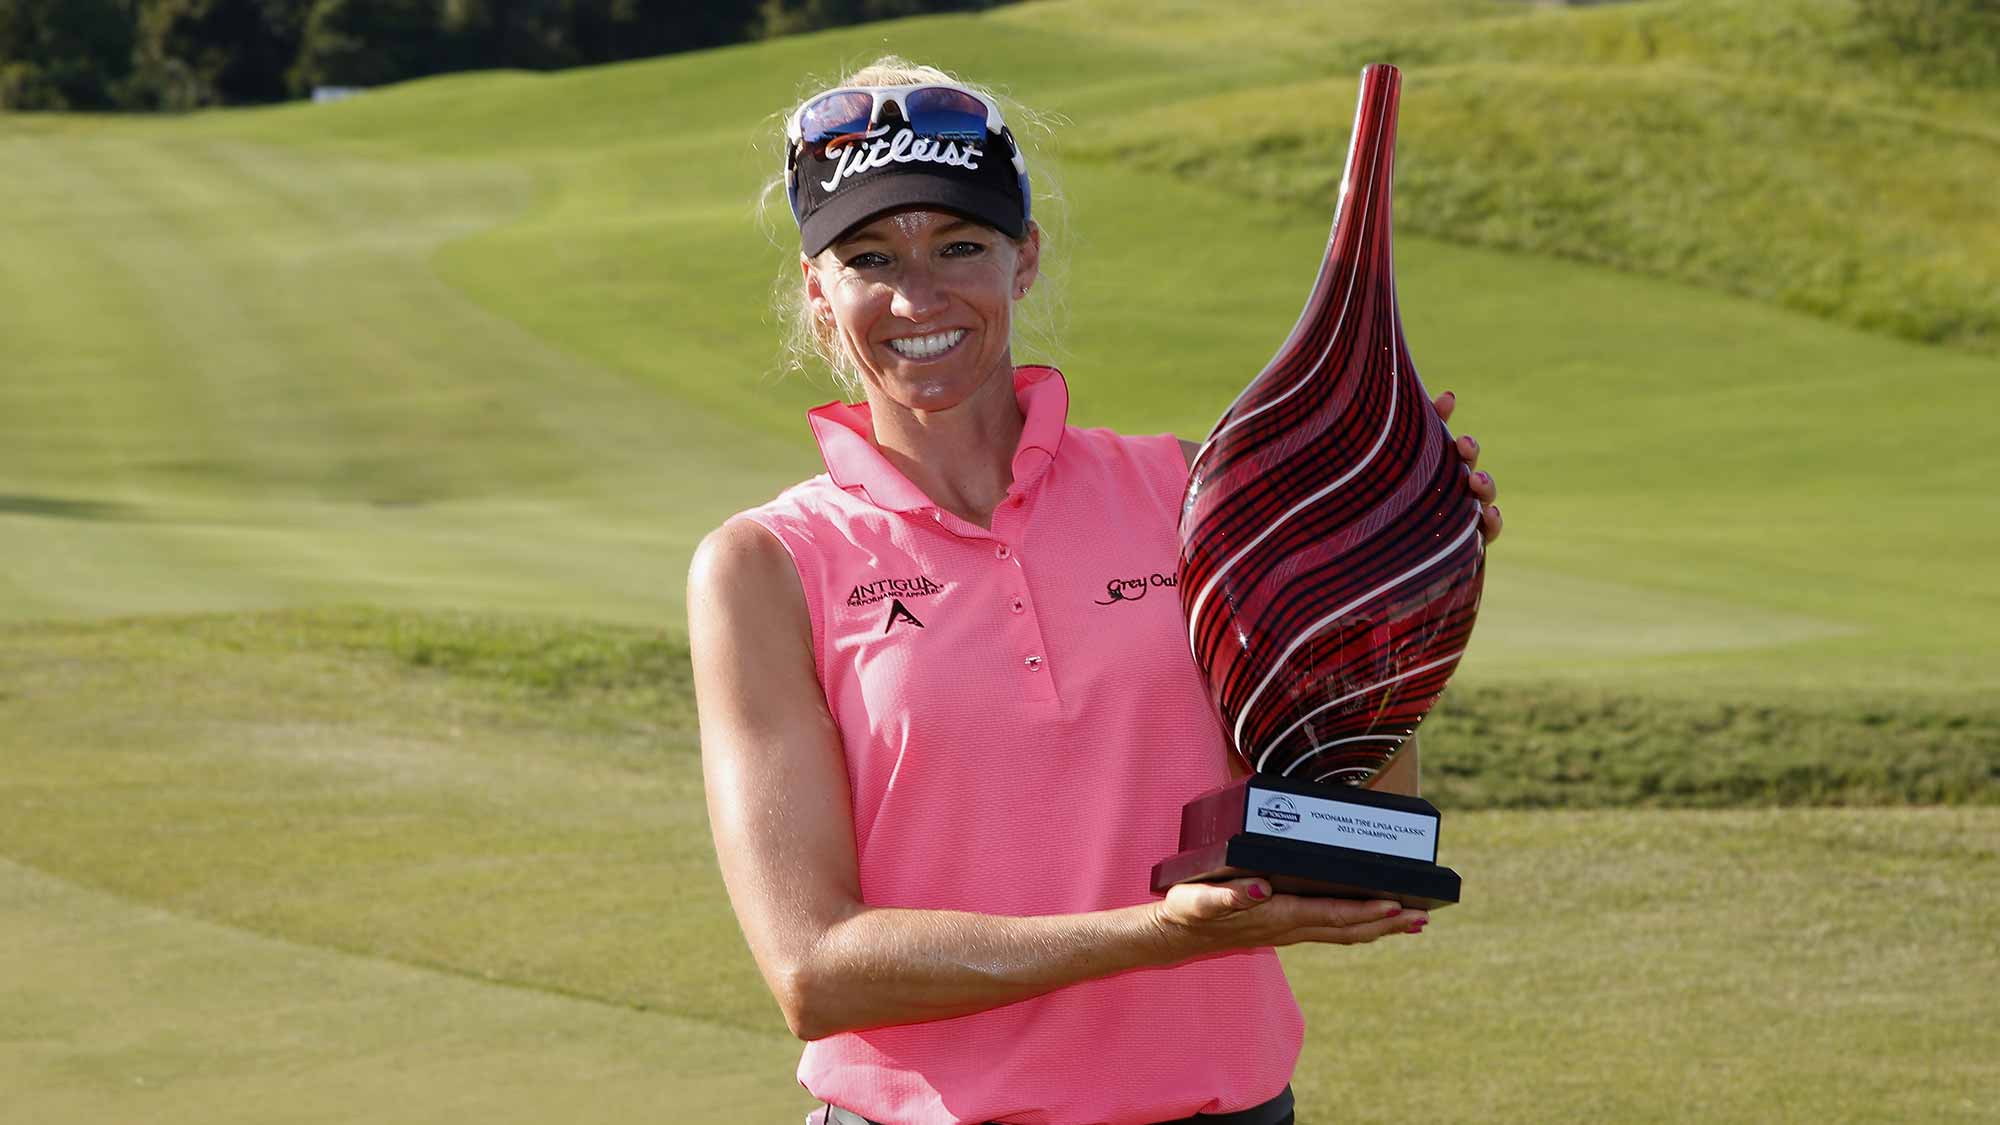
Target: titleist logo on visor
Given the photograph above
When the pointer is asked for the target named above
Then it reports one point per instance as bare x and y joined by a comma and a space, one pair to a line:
905, 147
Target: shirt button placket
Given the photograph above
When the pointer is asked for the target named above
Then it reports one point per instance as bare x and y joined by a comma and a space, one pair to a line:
1034, 653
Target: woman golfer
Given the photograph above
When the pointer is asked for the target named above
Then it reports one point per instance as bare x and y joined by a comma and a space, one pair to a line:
948, 715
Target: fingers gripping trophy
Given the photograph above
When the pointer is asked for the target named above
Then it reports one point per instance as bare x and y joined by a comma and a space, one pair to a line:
1331, 566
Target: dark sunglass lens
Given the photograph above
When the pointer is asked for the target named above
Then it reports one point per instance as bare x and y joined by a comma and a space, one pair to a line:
938, 112
836, 115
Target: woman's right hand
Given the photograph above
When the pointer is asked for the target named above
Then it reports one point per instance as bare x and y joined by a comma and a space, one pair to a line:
1243, 913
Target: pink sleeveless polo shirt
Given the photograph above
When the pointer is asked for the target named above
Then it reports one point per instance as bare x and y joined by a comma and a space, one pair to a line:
1022, 723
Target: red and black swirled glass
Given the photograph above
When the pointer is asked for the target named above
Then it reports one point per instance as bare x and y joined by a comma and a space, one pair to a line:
1331, 559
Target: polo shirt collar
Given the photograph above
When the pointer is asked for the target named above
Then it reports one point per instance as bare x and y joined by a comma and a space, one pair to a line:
846, 437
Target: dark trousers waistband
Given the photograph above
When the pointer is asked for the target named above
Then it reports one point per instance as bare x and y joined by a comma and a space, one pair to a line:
1277, 1111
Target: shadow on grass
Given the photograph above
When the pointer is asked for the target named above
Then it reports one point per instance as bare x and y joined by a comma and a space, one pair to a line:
58, 508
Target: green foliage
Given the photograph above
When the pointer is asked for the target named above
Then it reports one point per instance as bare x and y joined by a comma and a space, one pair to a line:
368, 42
528, 34
630, 29
186, 54
194, 53
551, 34
790, 17
63, 54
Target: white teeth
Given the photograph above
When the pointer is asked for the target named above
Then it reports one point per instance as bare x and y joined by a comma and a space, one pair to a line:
924, 347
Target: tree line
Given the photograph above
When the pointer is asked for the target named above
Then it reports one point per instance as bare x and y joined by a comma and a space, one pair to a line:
186, 54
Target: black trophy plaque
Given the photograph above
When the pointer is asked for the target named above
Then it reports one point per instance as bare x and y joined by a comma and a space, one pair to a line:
1310, 839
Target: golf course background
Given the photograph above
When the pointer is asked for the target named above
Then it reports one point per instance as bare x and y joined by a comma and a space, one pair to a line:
351, 457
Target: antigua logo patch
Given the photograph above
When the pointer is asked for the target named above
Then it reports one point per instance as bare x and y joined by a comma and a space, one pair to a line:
868, 593
900, 612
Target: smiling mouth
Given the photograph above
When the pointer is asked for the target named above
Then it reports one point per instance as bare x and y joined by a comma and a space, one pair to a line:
924, 347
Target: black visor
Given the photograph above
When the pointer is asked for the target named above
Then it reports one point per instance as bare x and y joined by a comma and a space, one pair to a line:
839, 184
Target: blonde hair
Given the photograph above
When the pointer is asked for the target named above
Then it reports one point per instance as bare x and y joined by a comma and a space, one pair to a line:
809, 343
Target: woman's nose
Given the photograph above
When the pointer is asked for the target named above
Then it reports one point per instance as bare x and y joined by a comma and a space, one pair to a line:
917, 296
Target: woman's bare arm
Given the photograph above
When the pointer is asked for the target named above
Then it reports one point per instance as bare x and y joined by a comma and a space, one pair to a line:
779, 805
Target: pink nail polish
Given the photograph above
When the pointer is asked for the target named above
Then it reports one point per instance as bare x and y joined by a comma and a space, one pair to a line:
1258, 892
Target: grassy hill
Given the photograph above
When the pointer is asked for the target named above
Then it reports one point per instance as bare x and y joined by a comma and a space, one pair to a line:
350, 457
502, 341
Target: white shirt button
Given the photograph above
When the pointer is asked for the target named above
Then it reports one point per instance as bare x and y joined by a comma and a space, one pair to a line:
1034, 663
1019, 606
1001, 552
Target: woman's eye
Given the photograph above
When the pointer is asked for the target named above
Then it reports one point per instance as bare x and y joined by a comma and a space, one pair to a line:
963, 249
867, 260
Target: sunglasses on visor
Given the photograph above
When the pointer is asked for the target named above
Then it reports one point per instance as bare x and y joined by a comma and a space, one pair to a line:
849, 114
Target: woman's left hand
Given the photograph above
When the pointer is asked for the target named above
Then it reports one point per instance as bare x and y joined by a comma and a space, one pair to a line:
1482, 482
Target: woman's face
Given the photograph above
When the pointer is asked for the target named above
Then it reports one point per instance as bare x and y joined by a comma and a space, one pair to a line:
923, 301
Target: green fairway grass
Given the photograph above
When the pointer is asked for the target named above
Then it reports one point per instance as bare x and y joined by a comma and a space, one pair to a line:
340, 866
490, 341
351, 457
1696, 480
117, 1012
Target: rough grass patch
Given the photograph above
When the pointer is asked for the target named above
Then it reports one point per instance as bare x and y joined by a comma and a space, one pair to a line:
599, 672
1555, 745
1772, 151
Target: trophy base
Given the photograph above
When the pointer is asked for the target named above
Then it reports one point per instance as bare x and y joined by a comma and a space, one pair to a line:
1325, 841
